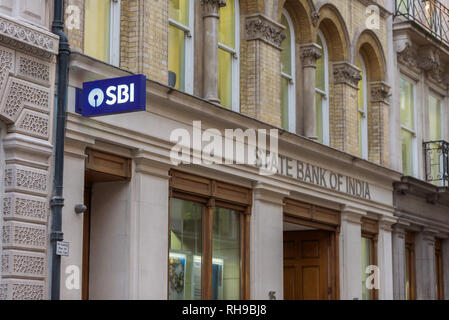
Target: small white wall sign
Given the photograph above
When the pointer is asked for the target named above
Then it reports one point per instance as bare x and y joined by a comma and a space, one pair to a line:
62, 248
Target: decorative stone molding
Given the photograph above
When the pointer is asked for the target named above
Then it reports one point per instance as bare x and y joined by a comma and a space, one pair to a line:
28, 236
15, 289
6, 66
260, 27
315, 17
380, 92
23, 264
212, 7
347, 73
21, 93
27, 38
25, 208
429, 59
33, 123
310, 53
407, 53
25, 179
33, 69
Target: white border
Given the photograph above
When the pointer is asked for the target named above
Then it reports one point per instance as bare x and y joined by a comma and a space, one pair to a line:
114, 38
325, 94
364, 122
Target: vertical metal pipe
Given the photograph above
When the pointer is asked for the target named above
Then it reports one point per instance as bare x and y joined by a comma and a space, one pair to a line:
57, 200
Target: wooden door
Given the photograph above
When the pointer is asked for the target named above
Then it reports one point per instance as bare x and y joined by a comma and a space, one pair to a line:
306, 265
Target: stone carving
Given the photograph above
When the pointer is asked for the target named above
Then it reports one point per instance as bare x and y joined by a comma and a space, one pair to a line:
262, 28
3, 291
315, 17
347, 73
25, 235
429, 59
5, 263
6, 234
6, 65
25, 207
212, 7
33, 69
28, 179
27, 292
27, 39
23, 264
20, 93
310, 54
407, 54
380, 92
8, 177
33, 123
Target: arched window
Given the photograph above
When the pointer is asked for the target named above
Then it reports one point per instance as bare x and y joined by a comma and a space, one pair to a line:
288, 94
322, 92
228, 56
362, 109
180, 44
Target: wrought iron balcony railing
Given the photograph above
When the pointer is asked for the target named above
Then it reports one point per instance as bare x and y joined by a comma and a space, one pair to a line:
437, 162
431, 15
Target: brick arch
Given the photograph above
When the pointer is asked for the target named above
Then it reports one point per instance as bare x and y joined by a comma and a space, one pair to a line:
300, 11
369, 46
333, 26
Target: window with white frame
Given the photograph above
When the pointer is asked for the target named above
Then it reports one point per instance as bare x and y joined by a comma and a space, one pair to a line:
408, 128
102, 30
362, 109
436, 124
180, 44
228, 56
288, 92
322, 92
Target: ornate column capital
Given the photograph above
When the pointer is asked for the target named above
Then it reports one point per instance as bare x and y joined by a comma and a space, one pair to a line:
211, 8
310, 53
344, 72
380, 92
260, 27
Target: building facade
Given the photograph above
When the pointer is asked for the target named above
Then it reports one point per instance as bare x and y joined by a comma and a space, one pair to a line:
27, 80
344, 216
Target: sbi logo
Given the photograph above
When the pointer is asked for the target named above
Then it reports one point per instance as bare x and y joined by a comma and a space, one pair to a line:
114, 95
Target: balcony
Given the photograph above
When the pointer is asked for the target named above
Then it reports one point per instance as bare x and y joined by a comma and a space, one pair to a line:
436, 157
431, 15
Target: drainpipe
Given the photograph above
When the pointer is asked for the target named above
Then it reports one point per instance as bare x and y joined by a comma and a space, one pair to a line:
57, 200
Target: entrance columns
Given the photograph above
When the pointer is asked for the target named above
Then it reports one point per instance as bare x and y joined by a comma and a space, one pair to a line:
149, 230
399, 262
350, 250
267, 262
385, 258
425, 265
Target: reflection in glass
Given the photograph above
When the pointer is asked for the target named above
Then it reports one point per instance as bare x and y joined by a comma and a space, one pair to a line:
97, 29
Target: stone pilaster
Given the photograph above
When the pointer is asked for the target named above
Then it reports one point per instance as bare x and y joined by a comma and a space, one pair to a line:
399, 262
260, 75
310, 53
27, 68
211, 9
425, 265
378, 123
385, 258
343, 107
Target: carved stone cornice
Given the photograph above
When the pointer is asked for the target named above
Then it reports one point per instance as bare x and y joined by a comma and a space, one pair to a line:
260, 27
407, 54
27, 38
429, 59
347, 73
310, 53
380, 92
212, 7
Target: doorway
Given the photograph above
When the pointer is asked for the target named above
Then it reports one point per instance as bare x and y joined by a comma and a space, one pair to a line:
310, 260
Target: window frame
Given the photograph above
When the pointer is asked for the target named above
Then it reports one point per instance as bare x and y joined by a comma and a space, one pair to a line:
235, 61
439, 270
410, 247
189, 46
414, 147
442, 114
364, 113
325, 94
291, 78
181, 188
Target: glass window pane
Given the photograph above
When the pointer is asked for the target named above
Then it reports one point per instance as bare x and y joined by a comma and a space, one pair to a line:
407, 104
320, 70
362, 83
97, 29
360, 131
179, 11
407, 152
226, 255
284, 102
225, 78
286, 55
185, 250
176, 55
434, 119
226, 27
366, 261
319, 117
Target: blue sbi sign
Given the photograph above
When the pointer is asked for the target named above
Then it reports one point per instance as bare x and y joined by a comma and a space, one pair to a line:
117, 95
